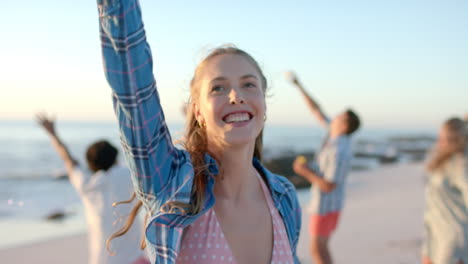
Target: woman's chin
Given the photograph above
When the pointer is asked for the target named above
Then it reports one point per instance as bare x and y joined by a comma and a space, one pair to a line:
235, 138
238, 140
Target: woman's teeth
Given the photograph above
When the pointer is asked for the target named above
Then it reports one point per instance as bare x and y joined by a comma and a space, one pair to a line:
239, 117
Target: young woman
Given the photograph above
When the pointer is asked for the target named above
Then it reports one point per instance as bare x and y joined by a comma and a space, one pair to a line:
446, 214
213, 202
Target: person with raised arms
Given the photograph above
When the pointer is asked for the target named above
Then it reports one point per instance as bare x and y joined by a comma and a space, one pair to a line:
100, 184
327, 174
212, 201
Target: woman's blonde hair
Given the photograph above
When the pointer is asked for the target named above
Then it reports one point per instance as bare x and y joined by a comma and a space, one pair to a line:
196, 143
456, 127
131, 218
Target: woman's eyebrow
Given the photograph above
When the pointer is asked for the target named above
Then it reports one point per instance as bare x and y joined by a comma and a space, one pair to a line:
220, 78
249, 76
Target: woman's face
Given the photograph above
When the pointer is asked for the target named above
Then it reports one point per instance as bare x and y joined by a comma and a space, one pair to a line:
231, 101
449, 140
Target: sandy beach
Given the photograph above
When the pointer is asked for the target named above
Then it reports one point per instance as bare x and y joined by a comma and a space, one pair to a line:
382, 219
381, 223
69, 249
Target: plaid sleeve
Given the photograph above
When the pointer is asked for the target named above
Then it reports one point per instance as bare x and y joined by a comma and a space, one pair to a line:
149, 152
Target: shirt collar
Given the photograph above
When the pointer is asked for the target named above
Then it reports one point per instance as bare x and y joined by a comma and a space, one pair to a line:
272, 181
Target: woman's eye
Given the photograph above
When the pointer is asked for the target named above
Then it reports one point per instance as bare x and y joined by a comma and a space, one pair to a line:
250, 85
217, 88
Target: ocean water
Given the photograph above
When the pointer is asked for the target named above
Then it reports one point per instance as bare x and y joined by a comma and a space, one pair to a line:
29, 167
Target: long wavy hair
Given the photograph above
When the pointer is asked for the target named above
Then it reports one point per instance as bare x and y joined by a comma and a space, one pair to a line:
196, 143
458, 130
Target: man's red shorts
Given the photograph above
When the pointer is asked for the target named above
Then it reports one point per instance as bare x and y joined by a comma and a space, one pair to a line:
323, 225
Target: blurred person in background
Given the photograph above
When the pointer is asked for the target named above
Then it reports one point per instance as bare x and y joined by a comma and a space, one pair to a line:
100, 184
327, 174
446, 191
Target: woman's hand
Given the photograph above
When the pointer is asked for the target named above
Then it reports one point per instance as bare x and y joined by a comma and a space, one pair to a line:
292, 77
46, 122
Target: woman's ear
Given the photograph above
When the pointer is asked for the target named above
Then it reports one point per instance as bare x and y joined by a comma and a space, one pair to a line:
196, 112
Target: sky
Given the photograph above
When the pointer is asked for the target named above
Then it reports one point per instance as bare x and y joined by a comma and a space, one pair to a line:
397, 63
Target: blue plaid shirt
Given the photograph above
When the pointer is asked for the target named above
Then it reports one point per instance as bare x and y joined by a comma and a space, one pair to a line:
161, 173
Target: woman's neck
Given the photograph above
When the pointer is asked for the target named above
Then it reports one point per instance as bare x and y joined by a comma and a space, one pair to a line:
237, 180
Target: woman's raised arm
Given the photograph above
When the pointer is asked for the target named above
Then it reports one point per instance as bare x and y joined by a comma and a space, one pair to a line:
150, 154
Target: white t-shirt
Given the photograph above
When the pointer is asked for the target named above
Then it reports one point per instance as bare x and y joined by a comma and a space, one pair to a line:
98, 192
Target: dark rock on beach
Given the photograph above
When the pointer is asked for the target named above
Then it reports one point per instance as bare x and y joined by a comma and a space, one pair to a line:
282, 165
56, 216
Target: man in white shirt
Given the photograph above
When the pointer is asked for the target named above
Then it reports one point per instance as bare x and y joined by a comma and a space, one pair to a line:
100, 185
327, 174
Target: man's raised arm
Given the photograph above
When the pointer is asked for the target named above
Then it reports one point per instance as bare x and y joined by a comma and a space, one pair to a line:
311, 103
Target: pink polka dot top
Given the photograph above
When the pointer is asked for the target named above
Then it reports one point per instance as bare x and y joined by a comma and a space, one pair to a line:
204, 242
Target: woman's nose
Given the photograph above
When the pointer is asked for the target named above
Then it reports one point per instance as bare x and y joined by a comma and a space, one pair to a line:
236, 97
